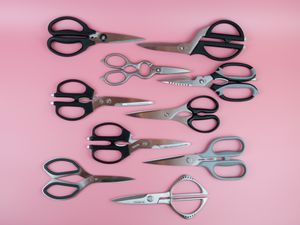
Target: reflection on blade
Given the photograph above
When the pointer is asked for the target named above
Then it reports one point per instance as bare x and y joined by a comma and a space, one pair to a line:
134, 199
111, 179
120, 101
113, 37
168, 47
172, 70
183, 160
164, 143
153, 114
180, 81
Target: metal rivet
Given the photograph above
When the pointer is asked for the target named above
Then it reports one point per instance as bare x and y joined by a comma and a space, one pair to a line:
150, 198
157, 69
166, 114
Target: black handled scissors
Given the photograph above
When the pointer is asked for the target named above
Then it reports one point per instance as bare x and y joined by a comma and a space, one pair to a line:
124, 143
77, 186
210, 159
196, 114
87, 100
229, 82
206, 37
85, 37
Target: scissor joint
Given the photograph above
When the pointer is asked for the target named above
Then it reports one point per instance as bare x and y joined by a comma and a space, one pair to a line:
98, 37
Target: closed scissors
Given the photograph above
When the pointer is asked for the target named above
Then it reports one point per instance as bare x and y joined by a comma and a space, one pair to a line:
86, 37
56, 180
195, 114
124, 143
170, 197
204, 39
229, 82
87, 100
126, 63
210, 159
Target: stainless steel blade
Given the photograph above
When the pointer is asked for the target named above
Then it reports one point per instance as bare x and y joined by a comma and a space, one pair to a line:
105, 179
164, 143
153, 114
133, 199
114, 37
167, 47
184, 160
123, 101
172, 70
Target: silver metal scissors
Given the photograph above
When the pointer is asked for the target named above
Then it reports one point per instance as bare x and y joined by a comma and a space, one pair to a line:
210, 159
124, 143
170, 197
126, 63
77, 186
229, 82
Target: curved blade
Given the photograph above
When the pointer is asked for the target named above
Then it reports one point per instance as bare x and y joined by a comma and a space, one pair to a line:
164, 143
160, 46
183, 160
105, 179
114, 37
172, 70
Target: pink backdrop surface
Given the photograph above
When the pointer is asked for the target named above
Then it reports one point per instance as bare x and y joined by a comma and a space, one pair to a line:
31, 133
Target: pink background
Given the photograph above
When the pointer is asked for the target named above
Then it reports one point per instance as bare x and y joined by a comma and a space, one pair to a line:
32, 133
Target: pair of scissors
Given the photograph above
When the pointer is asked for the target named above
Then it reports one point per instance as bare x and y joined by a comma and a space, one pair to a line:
196, 114
86, 37
210, 159
56, 180
204, 38
126, 63
230, 82
170, 197
88, 101
124, 143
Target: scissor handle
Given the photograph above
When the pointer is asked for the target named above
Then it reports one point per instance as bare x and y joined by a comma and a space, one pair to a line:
54, 174
124, 64
86, 106
57, 183
125, 77
203, 198
219, 89
195, 111
113, 146
227, 38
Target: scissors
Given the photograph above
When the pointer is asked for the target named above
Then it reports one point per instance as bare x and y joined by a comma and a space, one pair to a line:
170, 197
126, 63
206, 38
88, 101
86, 36
210, 159
230, 82
125, 137
188, 120
77, 186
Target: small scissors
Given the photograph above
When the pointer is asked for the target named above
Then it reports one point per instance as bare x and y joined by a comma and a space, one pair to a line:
170, 197
88, 179
126, 63
231, 81
130, 146
86, 37
172, 114
205, 38
210, 159
88, 101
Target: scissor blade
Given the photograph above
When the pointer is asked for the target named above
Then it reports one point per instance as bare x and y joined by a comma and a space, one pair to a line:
113, 37
165, 143
133, 199
179, 81
172, 161
112, 179
153, 114
160, 46
172, 70
121, 101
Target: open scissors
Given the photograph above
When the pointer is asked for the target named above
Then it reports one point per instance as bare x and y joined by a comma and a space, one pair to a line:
86, 37
170, 197
88, 101
210, 159
230, 82
196, 114
206, 38
56, 180
124, 144
126, 63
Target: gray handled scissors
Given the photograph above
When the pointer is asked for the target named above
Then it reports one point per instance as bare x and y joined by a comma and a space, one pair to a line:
77, 186
170, 197
229, 82
126, 63
210, 159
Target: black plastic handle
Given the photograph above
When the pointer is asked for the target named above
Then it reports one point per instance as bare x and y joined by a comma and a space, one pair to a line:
220, 75
123, 137
196, 111
58, 183
62, 173
227, 38
87, 106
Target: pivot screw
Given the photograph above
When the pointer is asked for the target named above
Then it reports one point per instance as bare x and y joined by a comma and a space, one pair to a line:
150, 198
158, 70
166, 114
201, 81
